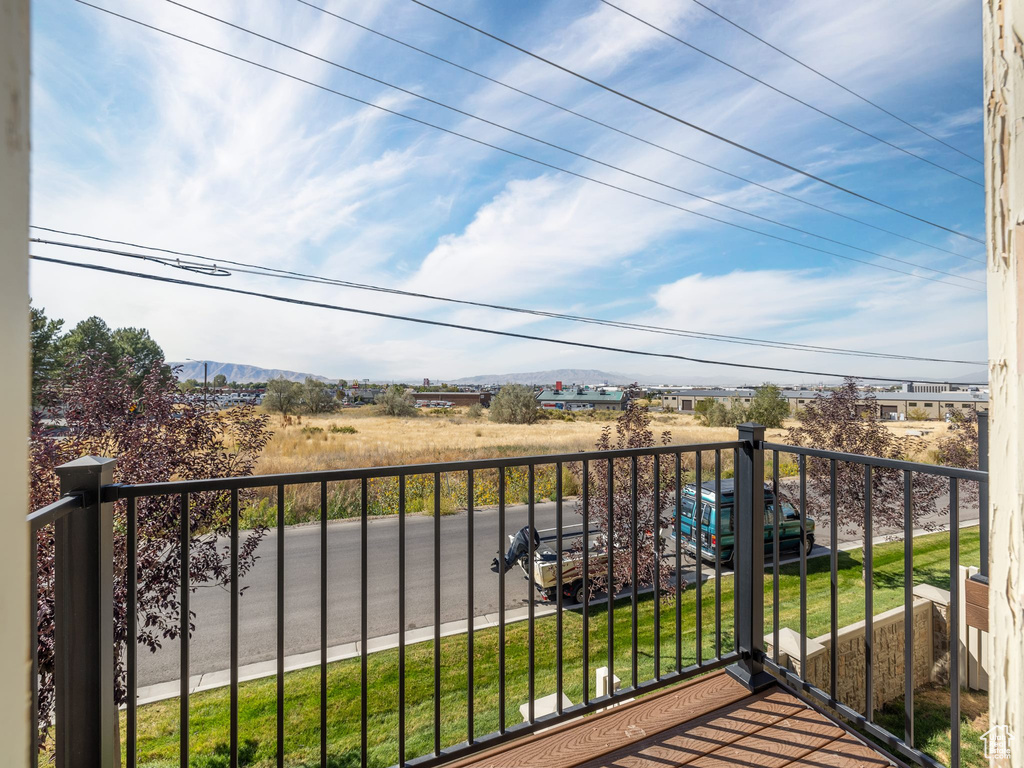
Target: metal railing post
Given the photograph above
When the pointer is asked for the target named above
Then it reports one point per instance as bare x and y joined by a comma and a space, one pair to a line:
748, 559
983, 510
86, 733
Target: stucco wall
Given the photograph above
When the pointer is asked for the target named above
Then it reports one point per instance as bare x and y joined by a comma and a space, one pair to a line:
14, 154
1003, 93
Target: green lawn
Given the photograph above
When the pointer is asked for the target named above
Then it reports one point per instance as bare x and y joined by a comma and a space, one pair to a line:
158, 723
931, 724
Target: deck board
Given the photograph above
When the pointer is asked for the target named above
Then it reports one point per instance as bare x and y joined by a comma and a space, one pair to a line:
615, 728
846, 752
686, 742
709, 723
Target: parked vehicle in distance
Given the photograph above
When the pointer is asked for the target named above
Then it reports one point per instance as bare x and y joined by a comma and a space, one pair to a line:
690, 524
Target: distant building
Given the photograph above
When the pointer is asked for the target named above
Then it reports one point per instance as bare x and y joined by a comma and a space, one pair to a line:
455, 398
580, 399
888, 405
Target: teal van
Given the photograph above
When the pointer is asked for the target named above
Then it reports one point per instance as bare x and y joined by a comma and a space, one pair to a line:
791, 535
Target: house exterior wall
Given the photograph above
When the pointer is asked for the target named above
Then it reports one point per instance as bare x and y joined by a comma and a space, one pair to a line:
14, 351
1003, 95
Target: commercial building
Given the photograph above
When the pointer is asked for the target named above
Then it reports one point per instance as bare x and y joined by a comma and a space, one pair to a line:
582, 399
462, 399
887, 405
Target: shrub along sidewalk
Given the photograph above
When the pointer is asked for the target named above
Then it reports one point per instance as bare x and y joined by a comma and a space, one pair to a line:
209, 711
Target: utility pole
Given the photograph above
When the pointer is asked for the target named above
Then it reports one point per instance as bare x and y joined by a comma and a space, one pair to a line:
1003, 27
205, 390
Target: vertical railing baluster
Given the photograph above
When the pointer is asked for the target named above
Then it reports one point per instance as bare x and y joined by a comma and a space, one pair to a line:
234, 630
657, 567
833, 533
131, 634
908, 610
401, 620
33, 644
634, 572
364, 587
954, 621
531, 629
558, 587
470, 610
610, 545
718, 554
776, 512
869, 610
323, 623
183, 683
698, 554
586, 581
280, 626
735, 592
437, 615
502, 546
677, 533
802, 462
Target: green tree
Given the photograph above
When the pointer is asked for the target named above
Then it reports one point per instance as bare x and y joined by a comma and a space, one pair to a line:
514, 404
137, 352
713, 413
46, 348
220, 380
396, 401
282, 395
188, 385
92, 336
769, 406
316, 397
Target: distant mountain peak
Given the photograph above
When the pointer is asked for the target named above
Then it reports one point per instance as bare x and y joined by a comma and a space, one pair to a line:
238, 372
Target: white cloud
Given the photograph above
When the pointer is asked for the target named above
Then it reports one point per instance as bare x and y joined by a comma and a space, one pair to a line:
221, 158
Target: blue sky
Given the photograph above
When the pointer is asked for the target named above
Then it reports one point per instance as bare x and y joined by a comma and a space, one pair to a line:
144, 138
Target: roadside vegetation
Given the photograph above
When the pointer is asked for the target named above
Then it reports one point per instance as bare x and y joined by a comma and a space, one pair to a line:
209, 711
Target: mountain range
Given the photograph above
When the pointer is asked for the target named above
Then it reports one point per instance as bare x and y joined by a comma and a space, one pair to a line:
243, 374
249, 373
565, 375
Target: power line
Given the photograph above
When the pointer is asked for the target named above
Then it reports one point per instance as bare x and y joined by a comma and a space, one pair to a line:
265, 271
788, 95
459, 327
559, 147
543, 163
696, 127
850, 91
633, 136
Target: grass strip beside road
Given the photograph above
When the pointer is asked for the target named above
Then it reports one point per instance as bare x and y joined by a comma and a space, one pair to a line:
209, 710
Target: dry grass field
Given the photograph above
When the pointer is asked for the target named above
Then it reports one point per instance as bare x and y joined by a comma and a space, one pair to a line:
310, 443
313, 443
359, 437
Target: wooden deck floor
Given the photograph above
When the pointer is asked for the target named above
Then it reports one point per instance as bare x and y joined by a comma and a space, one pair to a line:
709, 723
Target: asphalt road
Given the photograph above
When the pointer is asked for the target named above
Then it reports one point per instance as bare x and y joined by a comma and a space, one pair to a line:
209, 649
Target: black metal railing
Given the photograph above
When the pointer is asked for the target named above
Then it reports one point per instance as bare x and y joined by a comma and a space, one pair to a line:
862, 715
89, 643
85, 730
